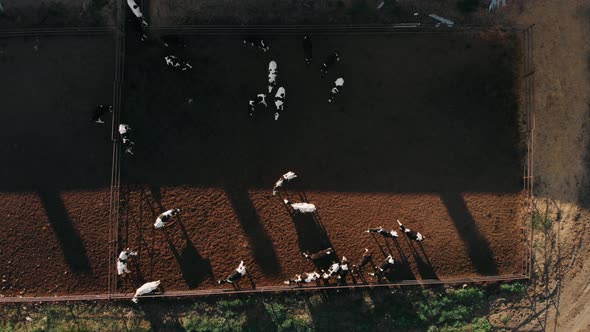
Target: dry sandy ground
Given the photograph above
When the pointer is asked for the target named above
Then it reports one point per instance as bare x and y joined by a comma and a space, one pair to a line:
562, 61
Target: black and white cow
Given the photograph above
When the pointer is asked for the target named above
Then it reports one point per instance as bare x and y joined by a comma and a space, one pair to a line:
304, 278
122, 261
164, 218
301, 207
318, 255
280, 101
177, 63
330, 61
338, 84
307, 49
332, 270
260, 99
387, 264
136, 11
365, 259
287, 177
99, 111
344, 268
235, 276
257, 42
124, 131
387, 233
272, 75
412, 235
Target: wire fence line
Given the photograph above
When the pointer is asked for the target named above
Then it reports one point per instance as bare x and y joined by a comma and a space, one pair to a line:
116, 156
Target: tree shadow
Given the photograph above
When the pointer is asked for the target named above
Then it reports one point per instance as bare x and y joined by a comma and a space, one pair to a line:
68, 237
478, 247
260, 242
160, 320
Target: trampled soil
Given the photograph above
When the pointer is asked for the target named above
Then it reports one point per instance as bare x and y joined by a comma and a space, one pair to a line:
425, 131
56, 166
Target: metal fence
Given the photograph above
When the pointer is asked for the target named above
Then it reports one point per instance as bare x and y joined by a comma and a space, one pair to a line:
116, 158
529, 117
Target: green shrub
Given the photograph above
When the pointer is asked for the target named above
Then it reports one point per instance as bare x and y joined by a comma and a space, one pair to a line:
513, 288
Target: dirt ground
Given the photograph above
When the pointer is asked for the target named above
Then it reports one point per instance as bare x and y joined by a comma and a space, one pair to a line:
55, 13
436, 148
55, 180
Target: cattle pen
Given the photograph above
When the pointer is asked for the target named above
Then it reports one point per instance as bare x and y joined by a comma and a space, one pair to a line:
136, 194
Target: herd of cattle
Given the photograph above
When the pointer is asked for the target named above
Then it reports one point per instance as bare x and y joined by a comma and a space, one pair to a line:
338, 270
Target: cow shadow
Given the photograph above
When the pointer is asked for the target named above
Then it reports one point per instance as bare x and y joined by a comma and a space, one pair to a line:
195, 268
423, 264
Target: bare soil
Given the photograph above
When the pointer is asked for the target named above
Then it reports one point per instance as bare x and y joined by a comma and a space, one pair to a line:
437, 148
56, 172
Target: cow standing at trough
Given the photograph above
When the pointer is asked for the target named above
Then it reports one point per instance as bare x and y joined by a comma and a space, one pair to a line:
412, 235
122, 261
287, 177
146, 288
124, 131
329, 62
301, 207
332, 270
365, 259
304, 278
235, 276
164, 218
385, 266
387, 233
307, 49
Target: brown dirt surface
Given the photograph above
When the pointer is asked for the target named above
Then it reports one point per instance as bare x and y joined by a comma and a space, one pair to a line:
436, 148
55, 197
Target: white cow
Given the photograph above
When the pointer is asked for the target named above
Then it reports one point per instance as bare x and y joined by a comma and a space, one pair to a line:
301, 207
146, 288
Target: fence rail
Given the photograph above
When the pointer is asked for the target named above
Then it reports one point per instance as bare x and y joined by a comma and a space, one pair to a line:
116, 158
529, 113
268, 289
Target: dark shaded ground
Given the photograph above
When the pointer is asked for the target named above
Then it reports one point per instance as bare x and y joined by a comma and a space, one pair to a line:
424, 131
55, 176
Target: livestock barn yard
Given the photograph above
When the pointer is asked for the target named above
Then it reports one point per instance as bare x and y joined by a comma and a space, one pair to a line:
427, 129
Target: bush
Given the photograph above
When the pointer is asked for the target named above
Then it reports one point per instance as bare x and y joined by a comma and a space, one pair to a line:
513, 288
